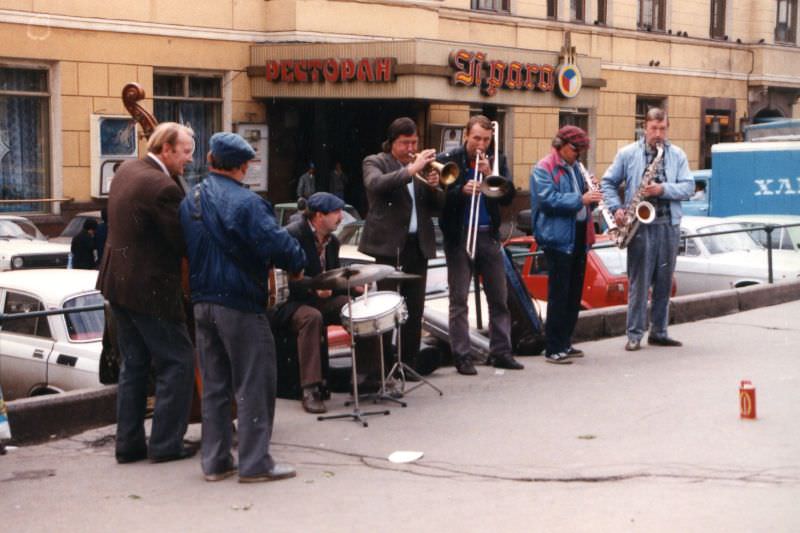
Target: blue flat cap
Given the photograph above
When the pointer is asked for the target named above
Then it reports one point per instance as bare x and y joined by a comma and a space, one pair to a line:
324, 202
230, 150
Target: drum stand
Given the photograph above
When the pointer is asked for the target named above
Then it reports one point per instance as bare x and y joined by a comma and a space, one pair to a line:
382, 393
356, 415
400, 367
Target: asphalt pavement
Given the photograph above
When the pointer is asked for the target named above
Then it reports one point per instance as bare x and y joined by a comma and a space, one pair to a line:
618, 441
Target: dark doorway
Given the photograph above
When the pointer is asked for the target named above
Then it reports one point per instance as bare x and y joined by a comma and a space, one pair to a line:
324, 132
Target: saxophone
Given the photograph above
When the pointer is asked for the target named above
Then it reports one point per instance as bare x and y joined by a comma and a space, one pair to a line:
639, 211
591, 185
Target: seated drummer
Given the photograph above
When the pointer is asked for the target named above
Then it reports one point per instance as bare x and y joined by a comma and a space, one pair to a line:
308, 312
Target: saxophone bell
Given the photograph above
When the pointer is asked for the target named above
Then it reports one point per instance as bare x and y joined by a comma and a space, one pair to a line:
645, 212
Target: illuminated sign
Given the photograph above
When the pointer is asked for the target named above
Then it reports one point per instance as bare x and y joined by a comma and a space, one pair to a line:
331, 70
474, 69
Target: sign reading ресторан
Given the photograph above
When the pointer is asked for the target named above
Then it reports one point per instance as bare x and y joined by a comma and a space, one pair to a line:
473, 69
332, 70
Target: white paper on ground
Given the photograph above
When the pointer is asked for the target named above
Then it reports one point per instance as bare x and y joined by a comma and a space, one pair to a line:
405, 456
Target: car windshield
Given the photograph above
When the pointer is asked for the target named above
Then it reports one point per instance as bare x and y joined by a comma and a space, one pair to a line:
782, 239
614, 259
85, 325
19, 229
730, 242
74, 227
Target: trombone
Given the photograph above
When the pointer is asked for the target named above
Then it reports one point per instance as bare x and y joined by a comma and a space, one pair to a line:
493, 186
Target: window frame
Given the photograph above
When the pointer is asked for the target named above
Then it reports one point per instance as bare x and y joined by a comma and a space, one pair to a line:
717, 24
552, 9
658, 20
39, 323
787, 34
498, 6
577, 11
50, 137
602, 12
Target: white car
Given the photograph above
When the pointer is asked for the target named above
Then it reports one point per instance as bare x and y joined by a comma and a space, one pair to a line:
783, 238
17, 227
726, 261
22, 245
55, 353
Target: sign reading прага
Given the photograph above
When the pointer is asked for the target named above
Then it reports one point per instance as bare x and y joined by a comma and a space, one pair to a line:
474, 69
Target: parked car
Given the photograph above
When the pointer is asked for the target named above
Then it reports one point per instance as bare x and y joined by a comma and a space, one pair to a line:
782, 239
17, 227
50, 354
716, 262
605, 283
75, 226
18, 254
699, 205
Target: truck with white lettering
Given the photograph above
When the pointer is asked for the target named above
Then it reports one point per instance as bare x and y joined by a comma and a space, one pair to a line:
758, 177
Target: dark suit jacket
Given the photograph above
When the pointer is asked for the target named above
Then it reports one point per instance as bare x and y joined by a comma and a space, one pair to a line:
141, 265
452, 219
389, 214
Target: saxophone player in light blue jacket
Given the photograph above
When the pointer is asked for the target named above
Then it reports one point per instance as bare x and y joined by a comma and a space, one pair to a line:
654, 246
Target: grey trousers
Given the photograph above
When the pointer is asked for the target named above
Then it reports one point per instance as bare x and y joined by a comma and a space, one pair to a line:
489, 264
237, 359
651, 263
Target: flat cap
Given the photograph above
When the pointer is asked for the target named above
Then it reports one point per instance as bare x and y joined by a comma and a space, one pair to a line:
230, 150
575, 136
324, 202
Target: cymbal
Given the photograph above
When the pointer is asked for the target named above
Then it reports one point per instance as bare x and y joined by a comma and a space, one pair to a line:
353, 275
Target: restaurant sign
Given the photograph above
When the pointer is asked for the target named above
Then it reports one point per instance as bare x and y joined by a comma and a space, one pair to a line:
331, 70
473, 69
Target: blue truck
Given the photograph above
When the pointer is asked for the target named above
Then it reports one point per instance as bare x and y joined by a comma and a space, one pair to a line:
752, 177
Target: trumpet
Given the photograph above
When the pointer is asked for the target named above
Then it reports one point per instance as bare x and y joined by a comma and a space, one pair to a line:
448, 172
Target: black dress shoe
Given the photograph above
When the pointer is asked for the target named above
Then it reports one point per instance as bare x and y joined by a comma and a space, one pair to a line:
185, 453
465, 366
632, 346
663, 341
574, 352
507, 362
131, 457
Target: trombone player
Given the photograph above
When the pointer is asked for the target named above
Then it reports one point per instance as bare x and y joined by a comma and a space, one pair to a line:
403, 195
470, 223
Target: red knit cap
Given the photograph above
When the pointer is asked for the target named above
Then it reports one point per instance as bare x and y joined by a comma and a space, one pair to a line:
575, 136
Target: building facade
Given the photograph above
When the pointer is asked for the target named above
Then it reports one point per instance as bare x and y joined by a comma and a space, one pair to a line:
320, 80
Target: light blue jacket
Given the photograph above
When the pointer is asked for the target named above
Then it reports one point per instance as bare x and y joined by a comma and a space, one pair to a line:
629, 166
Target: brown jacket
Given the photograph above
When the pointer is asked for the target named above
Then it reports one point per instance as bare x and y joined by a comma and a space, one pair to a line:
386, 226
141, 265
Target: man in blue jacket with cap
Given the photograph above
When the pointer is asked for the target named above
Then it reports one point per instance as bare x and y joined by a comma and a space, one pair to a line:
233, 239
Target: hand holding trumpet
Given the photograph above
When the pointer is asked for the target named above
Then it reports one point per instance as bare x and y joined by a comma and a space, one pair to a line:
422, 167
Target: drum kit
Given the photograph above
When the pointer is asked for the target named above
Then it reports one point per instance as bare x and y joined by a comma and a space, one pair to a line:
369, 315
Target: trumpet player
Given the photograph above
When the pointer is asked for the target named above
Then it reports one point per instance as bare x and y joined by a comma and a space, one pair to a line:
561, 211
654, 246
466, 211
403, 195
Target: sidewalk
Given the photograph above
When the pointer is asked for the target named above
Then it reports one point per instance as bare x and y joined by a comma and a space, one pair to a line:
618, 441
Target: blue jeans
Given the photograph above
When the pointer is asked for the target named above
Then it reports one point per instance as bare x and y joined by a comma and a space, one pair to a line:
144, 339
651, 263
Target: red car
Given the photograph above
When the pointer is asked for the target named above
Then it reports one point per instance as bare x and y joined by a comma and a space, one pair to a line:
605, 283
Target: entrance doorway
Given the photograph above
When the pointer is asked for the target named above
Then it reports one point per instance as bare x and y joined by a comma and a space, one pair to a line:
327, 131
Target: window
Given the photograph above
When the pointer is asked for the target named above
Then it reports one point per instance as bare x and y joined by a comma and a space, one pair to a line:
577, 10
786, 23
22, 303
643, 105
195, 101
717, 30
503, 6
24, 137
575, 117
85, 325
652, 15
602, 12
552, 9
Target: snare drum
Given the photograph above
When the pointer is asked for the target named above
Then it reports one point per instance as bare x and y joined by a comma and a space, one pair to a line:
278, 287
375, 313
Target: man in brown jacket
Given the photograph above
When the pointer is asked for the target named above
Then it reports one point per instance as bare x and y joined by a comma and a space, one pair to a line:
398, 230
140, 275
